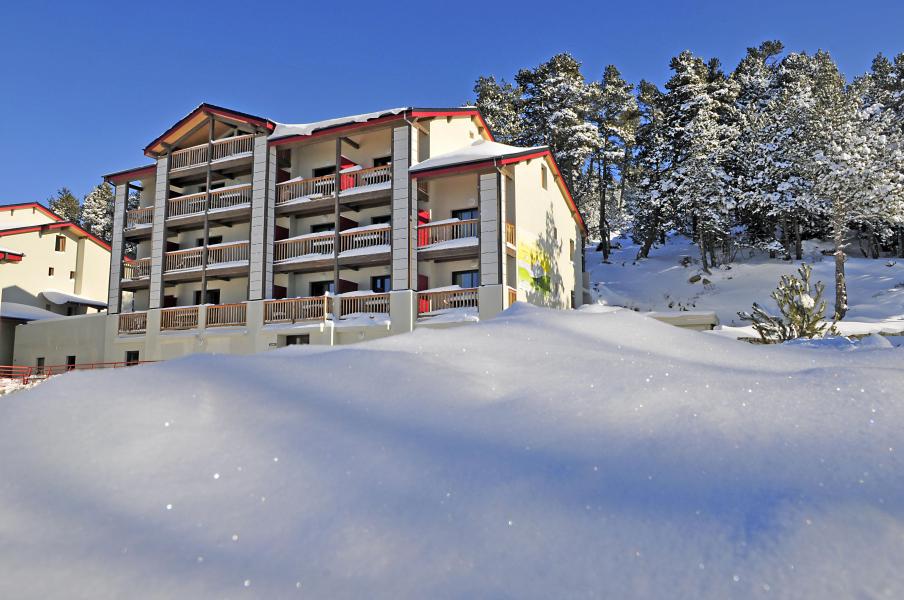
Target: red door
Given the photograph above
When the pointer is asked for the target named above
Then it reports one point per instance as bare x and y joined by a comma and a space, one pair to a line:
423, 305
423, 235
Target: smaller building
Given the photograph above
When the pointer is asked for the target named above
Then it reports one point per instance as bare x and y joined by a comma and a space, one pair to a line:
49, 267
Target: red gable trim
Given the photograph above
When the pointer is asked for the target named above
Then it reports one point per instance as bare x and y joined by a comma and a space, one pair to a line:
488, 164
464, 112
56, 226
130, 174
34, 205
215, 110
11, 256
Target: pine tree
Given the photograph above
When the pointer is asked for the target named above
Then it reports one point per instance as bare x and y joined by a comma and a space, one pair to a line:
499, 103
65, 204
556, 104
97, 212
650, 203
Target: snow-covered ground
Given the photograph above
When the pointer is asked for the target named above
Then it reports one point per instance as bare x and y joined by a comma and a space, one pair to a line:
661, 283
540, 454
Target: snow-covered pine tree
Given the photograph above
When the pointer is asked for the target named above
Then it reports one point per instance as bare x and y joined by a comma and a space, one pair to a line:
65, 204
649, 203
499, 102
556, 104
615, 114
97, 211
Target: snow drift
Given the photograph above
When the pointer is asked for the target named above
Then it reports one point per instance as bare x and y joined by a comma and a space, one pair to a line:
539, 455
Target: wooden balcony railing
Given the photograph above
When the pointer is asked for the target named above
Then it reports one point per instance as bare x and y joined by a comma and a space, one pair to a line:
185, 317
445, 231
216, 255
301, 188
136, 322
429, 302
136, 269
191, 204
510, 234
364, 177
139, 216
512, 295
364, 238
290, 310
220, 150
226, 315
295, 248
367, 304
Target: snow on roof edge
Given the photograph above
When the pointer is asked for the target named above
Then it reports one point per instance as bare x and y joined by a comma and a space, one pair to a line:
292, 129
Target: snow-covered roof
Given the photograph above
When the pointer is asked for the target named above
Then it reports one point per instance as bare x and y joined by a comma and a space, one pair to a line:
58, 297
479, 151
25, 312
10, 251
290, 129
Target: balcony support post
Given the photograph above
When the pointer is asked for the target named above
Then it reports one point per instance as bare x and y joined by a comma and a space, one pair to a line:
206, 209
336, 216
120, 199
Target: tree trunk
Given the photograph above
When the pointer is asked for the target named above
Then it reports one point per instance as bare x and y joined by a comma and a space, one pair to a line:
900, 242
650, 238
604, 224
841, 300
798, 245
701, 241
621, 184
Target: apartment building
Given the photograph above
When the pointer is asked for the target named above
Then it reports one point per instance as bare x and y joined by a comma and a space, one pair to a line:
250, 234
49, 267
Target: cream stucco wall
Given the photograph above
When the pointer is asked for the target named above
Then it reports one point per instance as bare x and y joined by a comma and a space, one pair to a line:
451, 133
24, 215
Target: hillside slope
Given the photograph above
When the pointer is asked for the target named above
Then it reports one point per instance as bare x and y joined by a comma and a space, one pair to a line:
541, 454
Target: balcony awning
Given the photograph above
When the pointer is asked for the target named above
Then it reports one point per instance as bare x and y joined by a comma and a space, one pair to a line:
58, 297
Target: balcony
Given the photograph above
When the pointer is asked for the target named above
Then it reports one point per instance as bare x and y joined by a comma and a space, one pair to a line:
360, 303
449, 239
228, 149
370, 244
226, 315
230, 258
510, 236
310, 252
227, 203
136, 273
294, 310
176, 319
444, 303
314, 195
139, 221
133, 323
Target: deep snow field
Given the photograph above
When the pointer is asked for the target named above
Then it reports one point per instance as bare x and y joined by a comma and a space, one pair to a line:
587, 454
660, 283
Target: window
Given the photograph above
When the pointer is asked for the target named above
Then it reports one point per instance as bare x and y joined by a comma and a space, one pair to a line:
571, 249
213, 297
71, 274
298, 340
543, 176
382, 160
381, 219
70, 310
50, 271
39, 365
211, 240
132, 357
381, 283
60, 243
319, 288
464, 213
70, 362
323, 171
322, 227
466, 279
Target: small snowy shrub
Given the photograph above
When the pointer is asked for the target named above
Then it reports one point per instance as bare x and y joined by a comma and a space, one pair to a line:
802, 311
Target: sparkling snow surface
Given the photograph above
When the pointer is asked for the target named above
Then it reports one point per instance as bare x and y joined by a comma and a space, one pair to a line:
540, 454
479, 150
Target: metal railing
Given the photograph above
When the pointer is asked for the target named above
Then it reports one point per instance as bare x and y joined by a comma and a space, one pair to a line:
429, 234
139, 216
185, 317
136, 269
290, 310
430, 302
22, 373
135, 322
220, 149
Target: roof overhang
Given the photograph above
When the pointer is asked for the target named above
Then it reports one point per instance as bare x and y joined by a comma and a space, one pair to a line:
203, 112
61, 225
509, 159
130, 174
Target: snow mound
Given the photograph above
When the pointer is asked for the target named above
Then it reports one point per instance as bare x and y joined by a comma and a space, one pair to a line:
541, 454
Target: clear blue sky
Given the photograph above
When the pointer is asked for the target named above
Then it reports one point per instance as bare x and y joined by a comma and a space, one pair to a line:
85, 85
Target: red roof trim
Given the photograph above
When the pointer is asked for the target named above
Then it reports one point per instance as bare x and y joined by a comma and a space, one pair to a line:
216, 110
130, 174
289, 139
41, 208
54, 227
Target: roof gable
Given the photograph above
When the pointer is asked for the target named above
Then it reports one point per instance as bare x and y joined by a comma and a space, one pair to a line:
196, 117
